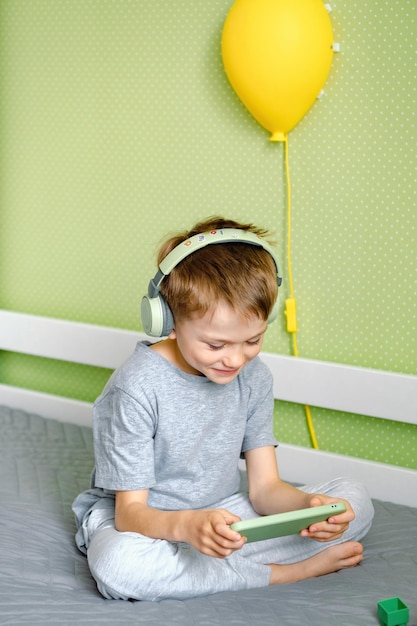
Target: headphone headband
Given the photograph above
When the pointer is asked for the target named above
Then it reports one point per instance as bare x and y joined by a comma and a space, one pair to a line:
201, 240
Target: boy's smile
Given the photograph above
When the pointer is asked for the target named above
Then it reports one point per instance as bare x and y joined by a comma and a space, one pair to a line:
217, 345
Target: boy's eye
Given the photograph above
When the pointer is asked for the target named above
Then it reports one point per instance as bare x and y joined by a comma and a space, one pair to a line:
214, 346
254, 342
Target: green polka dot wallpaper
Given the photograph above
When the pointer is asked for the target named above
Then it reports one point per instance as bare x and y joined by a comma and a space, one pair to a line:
118, 124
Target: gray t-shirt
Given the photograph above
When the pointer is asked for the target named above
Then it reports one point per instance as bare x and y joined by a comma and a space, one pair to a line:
178, 435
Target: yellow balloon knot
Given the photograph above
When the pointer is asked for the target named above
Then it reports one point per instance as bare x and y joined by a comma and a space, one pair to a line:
278, 136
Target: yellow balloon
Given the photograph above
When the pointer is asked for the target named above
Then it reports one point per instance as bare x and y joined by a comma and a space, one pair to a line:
277, 56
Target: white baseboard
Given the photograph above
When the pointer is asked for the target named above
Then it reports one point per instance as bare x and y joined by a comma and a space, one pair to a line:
336, 386
47, 405
383, 482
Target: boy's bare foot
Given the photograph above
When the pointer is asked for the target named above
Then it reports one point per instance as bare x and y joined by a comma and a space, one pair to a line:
330, 560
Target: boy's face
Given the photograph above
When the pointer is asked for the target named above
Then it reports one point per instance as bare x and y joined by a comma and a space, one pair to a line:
219, 344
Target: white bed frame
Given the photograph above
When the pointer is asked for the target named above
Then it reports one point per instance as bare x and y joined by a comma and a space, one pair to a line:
352, 389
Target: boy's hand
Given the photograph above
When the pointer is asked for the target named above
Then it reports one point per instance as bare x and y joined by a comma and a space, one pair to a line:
335, 526
209, 532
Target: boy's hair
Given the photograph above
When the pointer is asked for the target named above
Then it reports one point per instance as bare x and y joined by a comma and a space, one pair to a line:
240, 274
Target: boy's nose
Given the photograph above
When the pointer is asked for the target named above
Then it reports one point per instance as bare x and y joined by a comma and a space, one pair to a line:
234, 357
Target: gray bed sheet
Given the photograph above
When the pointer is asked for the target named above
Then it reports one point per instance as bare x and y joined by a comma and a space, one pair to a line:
45, 580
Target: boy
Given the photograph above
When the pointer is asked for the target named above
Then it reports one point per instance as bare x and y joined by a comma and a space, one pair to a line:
172, 423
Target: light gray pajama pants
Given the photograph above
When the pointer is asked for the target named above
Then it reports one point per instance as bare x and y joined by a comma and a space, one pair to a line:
128, 565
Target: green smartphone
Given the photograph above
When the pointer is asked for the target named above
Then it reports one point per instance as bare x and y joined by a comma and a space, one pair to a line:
282, 524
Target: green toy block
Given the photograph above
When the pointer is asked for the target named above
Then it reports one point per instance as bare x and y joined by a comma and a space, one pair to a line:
393, 612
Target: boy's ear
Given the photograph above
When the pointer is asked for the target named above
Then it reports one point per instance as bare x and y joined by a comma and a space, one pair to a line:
172, 334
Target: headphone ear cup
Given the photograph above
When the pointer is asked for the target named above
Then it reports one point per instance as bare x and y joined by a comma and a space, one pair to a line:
274, 313
157, 318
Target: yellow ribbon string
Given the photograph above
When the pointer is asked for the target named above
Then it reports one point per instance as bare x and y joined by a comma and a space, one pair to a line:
290, 303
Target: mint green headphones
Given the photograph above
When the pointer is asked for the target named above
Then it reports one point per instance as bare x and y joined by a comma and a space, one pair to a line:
156, 315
